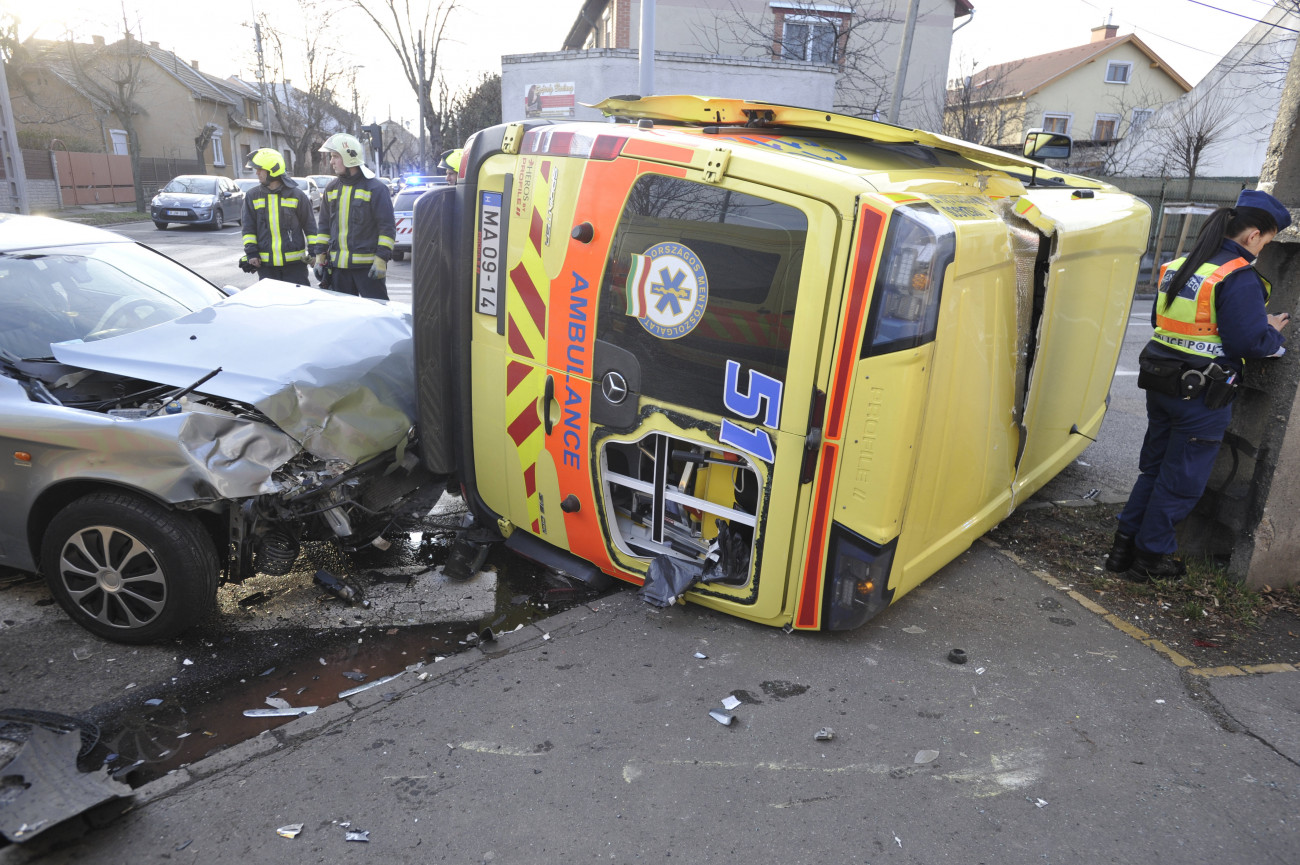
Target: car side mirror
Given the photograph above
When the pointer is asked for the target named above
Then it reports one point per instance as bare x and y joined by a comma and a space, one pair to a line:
1042, 145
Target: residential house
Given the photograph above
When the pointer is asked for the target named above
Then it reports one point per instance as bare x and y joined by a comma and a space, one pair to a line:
1096, 92
835, 56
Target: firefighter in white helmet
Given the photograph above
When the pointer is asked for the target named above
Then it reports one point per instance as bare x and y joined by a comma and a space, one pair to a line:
356, 212
279, 228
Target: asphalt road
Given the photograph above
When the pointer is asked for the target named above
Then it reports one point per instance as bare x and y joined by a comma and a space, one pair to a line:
215, 254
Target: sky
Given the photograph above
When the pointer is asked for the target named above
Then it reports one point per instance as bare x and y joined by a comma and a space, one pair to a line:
1189, 36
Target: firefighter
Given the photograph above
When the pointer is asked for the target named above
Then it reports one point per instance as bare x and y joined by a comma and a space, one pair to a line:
1209, 318
450, 165
278, 223
356, 213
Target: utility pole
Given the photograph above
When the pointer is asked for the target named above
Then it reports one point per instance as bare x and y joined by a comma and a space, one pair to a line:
904, 58
261, 86
646, 51
419, 62
15, 174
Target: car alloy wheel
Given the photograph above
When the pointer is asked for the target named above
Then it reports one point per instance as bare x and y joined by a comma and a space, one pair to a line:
218, 220
128, 569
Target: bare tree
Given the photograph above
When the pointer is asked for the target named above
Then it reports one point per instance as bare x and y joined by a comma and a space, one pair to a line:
845, 35
475, 107
416, 37
980, 106
1187, 131
303, 113
111, 75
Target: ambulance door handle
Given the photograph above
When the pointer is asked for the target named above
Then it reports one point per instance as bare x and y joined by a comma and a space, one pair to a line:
548, 394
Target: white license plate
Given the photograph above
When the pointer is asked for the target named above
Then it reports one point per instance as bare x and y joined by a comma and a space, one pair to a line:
175, 213
489, 253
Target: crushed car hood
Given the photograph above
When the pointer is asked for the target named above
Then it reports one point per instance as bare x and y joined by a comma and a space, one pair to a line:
333, 371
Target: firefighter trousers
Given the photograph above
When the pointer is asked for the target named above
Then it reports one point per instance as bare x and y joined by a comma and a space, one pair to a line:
295, 272
357, 281
1182, 441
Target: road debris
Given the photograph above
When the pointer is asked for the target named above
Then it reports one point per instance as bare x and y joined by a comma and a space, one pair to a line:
43, 786
701, 656
357, 835
291, 712
730, 702
957, 656
723, 718
825, 734
925, 756
913, 629
290, 831
343, 695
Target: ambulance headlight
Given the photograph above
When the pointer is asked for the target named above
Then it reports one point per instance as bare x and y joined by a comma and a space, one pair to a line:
905, 302
857, 574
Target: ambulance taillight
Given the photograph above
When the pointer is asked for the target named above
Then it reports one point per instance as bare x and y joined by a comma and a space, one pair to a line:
557, 141
857, 574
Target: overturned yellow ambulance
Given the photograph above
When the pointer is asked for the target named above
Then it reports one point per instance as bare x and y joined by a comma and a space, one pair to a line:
809, 357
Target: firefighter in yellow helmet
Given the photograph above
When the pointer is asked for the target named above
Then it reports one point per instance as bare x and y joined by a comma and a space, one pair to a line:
450, 164
279, 226
356, 217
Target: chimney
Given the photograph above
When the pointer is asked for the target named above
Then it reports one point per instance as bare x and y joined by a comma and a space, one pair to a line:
1105, 31
195, 64
98, 40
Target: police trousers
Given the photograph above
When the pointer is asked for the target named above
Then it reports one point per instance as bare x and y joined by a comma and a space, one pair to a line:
357, 281
1182, 441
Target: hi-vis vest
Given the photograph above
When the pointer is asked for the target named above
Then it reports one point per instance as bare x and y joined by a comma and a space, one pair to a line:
1191, 324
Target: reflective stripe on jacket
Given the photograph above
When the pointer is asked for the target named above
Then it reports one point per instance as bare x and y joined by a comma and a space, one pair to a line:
279, 225
1191, 321
357, 211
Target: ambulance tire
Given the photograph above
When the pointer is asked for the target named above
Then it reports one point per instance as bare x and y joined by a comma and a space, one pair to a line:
398, 256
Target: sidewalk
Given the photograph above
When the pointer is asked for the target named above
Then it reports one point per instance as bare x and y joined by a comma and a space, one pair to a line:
1063, 739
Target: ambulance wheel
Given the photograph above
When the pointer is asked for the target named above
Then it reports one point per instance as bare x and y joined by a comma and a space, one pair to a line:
398, 256
128, 569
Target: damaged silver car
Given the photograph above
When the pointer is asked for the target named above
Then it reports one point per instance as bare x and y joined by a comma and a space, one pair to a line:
162, 435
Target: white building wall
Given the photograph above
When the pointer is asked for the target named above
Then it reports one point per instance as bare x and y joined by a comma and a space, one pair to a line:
1248, 83
599, 74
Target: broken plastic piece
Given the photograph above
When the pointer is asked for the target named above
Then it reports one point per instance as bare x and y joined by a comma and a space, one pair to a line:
290, 831
723, 718
957, 656
357, 835
340, 588
825, 734
343, 695
354, 676
277, 702
701, 655
291, 712
730, 702
43, 785
153, 702
913, 629
381, 543
82, 653
925, 756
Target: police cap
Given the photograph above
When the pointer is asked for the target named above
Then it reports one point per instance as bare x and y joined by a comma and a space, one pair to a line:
1263, 201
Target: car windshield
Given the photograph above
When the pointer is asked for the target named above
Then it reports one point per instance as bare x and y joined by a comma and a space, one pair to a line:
405, 199
304, 183
195, 185
90, 292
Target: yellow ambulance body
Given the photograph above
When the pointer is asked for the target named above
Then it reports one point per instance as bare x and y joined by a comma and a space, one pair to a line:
817, 355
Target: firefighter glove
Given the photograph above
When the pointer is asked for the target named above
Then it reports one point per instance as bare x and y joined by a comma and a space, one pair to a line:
378, 269
322, 262
249, 265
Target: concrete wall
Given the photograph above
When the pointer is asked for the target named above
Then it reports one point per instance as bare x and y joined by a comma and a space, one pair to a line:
603, 73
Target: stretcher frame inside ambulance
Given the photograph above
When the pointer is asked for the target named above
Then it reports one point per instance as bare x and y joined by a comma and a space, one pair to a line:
806, 358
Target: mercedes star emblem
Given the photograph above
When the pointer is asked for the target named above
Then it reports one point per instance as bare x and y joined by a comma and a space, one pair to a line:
614, 387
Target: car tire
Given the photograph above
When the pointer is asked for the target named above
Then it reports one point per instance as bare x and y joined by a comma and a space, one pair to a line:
128, 569
398, 256
161, 226
218, 220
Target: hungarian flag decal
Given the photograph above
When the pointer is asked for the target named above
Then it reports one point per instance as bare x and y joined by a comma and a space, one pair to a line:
637, 276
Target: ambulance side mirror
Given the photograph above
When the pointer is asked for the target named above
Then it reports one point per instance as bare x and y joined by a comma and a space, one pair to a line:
1042, 145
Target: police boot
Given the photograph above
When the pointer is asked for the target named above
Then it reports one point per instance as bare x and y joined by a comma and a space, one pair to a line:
1122, 552
1154, 566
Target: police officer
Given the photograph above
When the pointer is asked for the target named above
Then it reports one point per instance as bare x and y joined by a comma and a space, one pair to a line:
1209, 318
278, 223
357, 213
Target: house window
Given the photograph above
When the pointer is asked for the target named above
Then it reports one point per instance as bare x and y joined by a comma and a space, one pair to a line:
1140, 116
218, 154
1056, 123
805, 38
119, 139
1118, 73
1105, 127
252, 109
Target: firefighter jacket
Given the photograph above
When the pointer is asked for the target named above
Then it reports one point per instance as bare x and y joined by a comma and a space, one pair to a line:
1220, 313
279, 225
356, 218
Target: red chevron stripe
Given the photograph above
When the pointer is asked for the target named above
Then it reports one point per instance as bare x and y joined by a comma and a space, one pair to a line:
522, 427
516, 339
530, 480
535, 231
516, 372
528, 293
